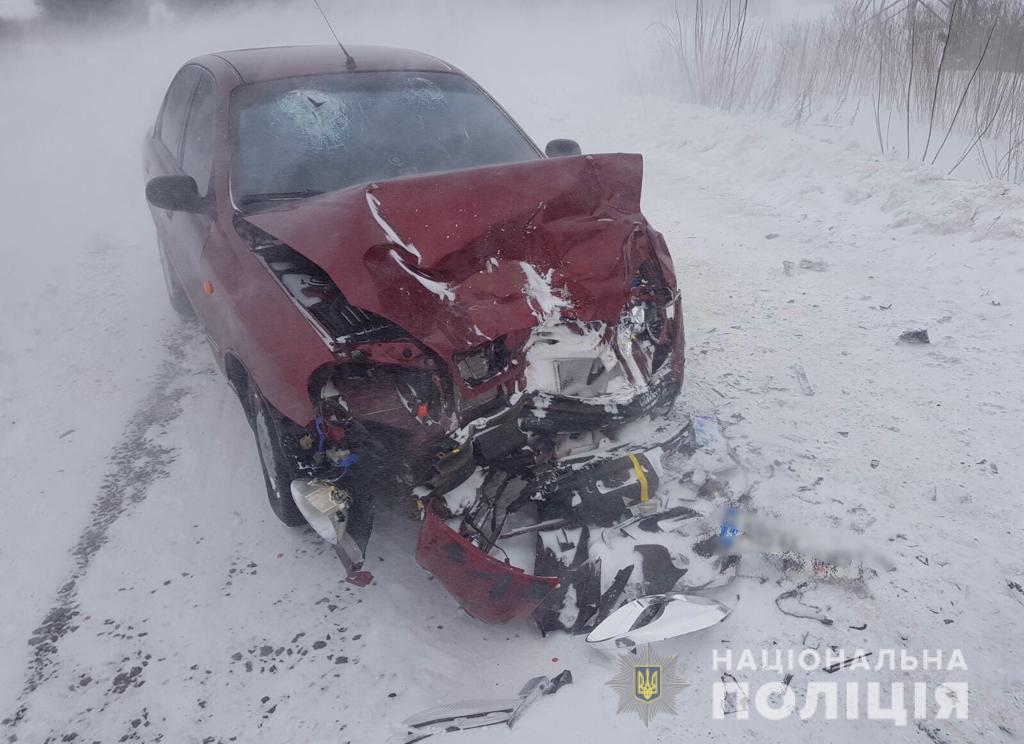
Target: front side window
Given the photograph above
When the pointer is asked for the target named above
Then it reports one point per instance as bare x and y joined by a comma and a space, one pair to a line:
197, 150
172, 118
322, 133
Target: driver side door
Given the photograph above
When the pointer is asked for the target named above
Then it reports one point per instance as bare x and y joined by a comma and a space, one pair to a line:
192, 230
163, 158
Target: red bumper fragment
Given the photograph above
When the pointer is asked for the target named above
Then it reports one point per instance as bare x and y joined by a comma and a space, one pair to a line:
486, 588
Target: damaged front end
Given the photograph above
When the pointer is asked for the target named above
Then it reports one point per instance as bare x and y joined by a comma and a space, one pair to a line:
501, 338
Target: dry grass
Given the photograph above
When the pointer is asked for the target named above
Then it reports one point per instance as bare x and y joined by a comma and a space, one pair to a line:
954, 68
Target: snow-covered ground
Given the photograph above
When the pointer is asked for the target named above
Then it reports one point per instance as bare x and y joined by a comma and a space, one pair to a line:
149, 594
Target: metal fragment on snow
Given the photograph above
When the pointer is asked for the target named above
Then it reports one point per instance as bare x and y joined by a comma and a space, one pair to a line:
470, 714
801, 377
809, 265
915, 337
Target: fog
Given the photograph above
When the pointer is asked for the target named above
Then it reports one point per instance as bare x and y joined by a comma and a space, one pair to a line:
81, 289
80, 101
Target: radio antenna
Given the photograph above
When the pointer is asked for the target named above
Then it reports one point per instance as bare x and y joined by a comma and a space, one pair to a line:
350, 63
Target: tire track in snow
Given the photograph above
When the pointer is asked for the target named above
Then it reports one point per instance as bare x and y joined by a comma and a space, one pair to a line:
138, 460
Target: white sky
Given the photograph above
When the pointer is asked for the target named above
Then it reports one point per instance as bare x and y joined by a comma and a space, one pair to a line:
23, 8
17, 8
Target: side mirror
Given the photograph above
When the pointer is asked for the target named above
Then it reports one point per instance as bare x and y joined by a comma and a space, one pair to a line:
561, 148
176, 193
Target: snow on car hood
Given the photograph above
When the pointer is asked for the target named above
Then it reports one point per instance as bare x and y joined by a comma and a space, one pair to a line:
463, 257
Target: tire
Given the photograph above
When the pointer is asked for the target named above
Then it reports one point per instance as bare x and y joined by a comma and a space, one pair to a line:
175, 294
278, 471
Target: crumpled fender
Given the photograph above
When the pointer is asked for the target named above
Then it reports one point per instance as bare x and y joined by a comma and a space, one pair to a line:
449, 257
486, 588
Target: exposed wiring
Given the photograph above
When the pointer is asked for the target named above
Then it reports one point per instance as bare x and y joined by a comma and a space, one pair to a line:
322, 444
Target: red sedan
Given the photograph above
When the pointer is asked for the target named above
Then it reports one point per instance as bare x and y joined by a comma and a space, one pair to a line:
402, 288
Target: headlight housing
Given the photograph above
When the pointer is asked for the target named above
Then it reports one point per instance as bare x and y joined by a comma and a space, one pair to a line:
483, 362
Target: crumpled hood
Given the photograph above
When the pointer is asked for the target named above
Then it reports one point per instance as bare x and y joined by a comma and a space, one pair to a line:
461, 258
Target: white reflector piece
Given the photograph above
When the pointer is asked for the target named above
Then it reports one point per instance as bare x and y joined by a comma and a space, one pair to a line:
319, 503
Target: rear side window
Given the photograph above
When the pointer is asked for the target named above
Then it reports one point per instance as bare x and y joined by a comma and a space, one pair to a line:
197, 156
172, 118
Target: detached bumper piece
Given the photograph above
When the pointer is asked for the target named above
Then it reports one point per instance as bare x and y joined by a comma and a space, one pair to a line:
486, 588
569, 497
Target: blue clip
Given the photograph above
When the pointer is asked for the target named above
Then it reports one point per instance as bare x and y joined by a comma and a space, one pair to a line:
729, 529
321, 433
347, 462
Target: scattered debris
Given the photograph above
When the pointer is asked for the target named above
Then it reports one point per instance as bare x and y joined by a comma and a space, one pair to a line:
470, 714
733, 699
801, 377
932, 733
809, 265
797, 595
771, 236
817, 482
659, 617
1016, 590
846, 663
806, 264
811, 641
534, 689
875, 464
915, 337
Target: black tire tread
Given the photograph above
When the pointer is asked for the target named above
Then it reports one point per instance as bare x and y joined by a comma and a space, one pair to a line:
284, 508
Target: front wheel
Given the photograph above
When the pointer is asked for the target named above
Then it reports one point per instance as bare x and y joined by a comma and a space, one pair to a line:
278, 470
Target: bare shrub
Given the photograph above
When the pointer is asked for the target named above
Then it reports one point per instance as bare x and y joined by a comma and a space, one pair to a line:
955, 67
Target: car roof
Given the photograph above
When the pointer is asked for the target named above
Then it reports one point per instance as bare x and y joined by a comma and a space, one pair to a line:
273, 63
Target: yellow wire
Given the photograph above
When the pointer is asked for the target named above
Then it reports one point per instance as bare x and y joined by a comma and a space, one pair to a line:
640, 476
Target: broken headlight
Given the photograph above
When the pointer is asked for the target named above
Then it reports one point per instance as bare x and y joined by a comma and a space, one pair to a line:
642, 335
650, 300
642, 316
483, 362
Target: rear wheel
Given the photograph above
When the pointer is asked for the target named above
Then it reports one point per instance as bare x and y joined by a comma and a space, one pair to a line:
278, 470
178, 299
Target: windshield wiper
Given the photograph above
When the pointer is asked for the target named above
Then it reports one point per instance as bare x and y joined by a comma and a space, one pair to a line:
277, 196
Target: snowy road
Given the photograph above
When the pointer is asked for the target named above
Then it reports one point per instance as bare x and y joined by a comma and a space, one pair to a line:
150, 595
